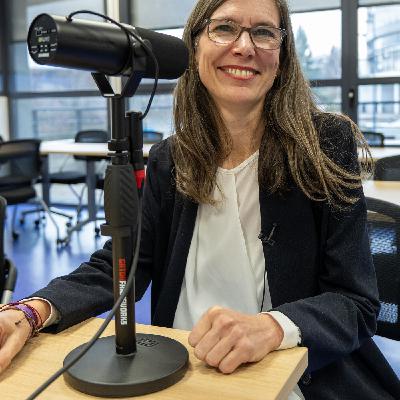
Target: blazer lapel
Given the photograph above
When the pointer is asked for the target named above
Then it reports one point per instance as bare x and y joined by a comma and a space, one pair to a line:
184, 218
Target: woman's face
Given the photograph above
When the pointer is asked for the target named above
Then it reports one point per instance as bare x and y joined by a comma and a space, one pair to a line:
220, 66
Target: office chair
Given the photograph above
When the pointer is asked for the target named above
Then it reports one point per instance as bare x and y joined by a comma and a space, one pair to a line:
150, 136
72, 177
387, 169
8, 272
383, 221
78, 176
374, 139
19, 171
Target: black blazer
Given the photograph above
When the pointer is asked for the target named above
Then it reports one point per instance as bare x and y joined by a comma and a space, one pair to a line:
320, 274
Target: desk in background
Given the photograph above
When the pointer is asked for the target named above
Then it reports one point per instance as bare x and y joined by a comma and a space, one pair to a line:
383, 190
272, 378
381, 152
70, 147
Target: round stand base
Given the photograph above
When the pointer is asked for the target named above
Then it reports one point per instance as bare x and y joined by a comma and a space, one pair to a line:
159, 362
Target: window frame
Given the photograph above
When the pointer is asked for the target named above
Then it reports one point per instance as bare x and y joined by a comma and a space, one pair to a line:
349, 81
17, 95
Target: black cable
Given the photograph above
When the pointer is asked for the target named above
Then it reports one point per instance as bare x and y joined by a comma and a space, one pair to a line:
109, 317
139, 39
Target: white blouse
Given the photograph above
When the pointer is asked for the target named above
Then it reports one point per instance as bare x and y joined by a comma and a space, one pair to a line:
226, 264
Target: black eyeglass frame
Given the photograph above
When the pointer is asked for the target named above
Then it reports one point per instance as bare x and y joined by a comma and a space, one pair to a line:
207, 22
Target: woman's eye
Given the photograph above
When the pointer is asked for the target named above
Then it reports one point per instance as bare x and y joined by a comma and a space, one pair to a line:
224, 28
264, 32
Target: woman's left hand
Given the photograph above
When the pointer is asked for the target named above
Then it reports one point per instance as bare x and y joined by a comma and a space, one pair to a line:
225, 339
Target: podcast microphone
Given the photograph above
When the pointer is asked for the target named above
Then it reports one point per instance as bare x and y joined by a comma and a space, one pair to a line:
103, 47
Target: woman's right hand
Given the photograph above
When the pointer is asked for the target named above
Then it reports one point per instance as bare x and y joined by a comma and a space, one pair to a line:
14, 336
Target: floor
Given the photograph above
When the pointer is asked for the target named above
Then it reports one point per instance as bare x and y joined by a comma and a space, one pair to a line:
39, 260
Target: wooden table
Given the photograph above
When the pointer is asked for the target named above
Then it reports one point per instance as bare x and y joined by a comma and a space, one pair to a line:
272, 378
383, 190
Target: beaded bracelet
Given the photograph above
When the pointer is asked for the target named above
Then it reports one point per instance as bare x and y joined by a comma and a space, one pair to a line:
38, 318
30, 314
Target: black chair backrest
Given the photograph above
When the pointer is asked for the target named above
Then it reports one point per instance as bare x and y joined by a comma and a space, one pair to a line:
91, 136
383, 222
152, 136
374, 139
19, 161
387, 169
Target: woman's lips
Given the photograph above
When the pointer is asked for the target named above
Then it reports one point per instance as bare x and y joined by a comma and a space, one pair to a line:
238, 72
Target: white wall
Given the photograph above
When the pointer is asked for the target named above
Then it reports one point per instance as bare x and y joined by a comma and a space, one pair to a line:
4, 123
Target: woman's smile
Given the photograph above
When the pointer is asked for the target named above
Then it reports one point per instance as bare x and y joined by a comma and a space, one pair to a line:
239, 72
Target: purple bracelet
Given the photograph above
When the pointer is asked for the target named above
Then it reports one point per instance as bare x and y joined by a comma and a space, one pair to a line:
28, 313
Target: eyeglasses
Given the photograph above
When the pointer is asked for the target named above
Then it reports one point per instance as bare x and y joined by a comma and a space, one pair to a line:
262, 36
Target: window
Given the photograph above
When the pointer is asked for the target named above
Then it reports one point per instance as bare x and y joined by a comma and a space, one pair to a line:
51, 118
50, 102
379, 41
379, 68
31, 77
312, 5
160, 116
328, 97
159, 14
319, 48
379, 110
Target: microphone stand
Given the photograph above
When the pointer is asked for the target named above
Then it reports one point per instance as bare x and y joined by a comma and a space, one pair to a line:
127, 364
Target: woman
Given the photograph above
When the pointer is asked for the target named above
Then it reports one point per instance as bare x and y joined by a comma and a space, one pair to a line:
259, 241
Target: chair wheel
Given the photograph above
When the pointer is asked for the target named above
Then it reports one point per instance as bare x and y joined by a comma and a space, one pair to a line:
97, 231
37, 223
63, 242
68, 224
22, 221
15, 235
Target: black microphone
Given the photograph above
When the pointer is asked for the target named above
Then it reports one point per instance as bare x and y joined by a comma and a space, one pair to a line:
103, 47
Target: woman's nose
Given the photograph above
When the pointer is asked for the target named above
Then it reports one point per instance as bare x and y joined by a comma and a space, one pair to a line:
244, 45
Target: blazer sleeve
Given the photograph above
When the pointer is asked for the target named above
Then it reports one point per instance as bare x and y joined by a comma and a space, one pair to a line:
88, 290
336, 321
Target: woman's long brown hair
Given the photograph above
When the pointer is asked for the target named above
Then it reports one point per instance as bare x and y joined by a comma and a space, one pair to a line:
290, 147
